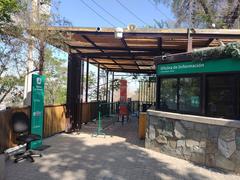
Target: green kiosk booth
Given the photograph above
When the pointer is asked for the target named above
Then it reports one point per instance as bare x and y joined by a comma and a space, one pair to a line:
197, 114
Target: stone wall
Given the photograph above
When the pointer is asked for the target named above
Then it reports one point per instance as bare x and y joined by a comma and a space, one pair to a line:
211, 145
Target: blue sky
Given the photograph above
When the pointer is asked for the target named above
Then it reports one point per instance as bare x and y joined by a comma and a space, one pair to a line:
80, 15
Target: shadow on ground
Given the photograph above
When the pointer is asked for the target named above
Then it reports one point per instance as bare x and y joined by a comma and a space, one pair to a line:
118, 157
71, 158
129, 130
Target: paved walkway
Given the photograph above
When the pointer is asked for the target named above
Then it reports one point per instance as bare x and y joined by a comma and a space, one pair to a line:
118, 157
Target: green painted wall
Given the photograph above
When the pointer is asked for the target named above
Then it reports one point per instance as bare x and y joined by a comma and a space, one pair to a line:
207, 66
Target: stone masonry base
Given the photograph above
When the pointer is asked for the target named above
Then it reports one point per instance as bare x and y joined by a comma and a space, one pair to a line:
209, 145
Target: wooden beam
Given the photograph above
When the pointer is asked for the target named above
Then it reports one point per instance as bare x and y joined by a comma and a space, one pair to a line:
124, 58
93, 43
104, 64
209, 41
129, 51
98, 63
172, 50
120, 54
116, 48
189, 40
160, 48
135, 71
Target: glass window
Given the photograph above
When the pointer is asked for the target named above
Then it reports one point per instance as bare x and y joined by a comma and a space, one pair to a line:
168, 94
189, 94
220, 96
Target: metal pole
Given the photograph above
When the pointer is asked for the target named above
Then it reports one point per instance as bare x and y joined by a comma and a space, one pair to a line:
81, 78
112, 85
98, 77
87, 75
107, 87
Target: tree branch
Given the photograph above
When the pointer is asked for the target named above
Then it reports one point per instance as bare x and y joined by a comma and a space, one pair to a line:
207, 11
233, 15
5, 94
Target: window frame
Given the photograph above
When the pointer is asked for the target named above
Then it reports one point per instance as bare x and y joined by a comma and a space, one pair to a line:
178, 88
203, 92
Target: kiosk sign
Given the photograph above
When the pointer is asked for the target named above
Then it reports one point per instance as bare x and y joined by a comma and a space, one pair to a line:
208, 66
37, 110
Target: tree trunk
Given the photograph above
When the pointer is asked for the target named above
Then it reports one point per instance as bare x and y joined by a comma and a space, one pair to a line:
5, 94
41, 58
207, 12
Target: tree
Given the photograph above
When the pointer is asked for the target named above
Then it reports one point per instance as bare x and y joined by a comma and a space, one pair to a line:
18, 19
92, 86
56, 79
7, 9
11, 61
205, 13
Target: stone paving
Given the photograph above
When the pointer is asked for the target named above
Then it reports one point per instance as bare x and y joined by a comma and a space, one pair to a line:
120, 155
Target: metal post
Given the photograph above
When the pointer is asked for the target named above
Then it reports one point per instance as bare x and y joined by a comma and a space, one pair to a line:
158, 91
189, 42
87, 75
74, 95
139, 95
98, 77
112, 85
99, 130
81, 79
107, 87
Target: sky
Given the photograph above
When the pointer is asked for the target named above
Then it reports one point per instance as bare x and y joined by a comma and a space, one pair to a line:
79, 14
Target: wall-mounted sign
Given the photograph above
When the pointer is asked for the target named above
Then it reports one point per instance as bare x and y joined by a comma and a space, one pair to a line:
37, 108
207, 66
123, 110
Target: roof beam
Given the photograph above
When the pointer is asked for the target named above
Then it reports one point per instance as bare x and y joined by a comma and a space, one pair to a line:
209, 41
160, 49
121, 54
129, 51
131, 48
117, 48
125, 58
93, 43
97, 62
166, 34
135, 71
189, 41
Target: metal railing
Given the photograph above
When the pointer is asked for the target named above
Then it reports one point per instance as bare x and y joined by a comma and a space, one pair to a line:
108, 112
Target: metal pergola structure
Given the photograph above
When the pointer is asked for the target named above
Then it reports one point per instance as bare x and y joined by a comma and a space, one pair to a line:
133, 53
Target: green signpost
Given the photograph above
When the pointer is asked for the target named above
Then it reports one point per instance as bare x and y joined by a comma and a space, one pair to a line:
217, 65
37, 110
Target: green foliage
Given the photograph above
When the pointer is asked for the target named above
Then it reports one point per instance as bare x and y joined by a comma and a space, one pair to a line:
11, 86
7, 9
203, 13
56, 79
230, 50
19, 21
